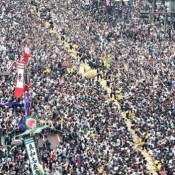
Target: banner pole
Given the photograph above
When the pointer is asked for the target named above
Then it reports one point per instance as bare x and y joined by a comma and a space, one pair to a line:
27, 104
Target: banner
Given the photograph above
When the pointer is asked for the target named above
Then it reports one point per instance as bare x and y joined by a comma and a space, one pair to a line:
19, 89
11, 104
32, 155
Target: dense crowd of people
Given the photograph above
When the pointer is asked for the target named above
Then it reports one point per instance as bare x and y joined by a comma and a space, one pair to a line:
134, 55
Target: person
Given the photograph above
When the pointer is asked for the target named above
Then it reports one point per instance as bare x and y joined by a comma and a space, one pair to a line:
96, 137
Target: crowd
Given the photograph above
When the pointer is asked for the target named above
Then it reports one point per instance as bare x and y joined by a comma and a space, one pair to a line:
134, 55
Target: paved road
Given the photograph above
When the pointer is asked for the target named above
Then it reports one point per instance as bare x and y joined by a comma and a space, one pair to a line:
54, 139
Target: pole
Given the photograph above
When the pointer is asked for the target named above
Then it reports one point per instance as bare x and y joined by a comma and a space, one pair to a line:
153, 9
165, 17
27, 104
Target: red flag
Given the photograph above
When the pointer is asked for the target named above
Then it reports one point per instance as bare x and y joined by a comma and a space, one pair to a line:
26, 88
26, 54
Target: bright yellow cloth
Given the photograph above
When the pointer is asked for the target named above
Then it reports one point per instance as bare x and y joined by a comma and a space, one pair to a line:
140, 143
129, 114
159, 167
75, 46
50, 122
66, 45
47, 70
74, 67
47, 25
109, 55
106, 64
52, 31
32, 10
73, 55
38, 14
93, 136
119, 97
100, 170
156, 162
69, 70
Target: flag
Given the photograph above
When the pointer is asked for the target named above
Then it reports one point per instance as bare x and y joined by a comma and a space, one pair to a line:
19, 89
26, 54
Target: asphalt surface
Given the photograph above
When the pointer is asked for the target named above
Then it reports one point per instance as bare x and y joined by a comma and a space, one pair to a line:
54, 139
